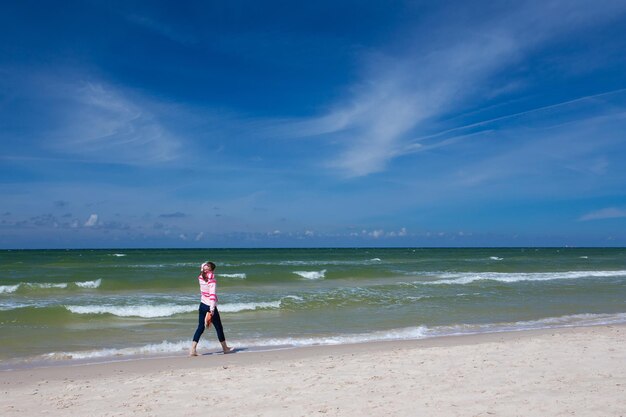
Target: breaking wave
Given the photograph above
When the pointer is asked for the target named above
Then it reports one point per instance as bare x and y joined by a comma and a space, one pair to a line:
509, 277
311, 274
166, 310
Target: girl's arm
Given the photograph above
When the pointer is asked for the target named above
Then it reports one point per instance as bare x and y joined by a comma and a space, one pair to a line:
212, 296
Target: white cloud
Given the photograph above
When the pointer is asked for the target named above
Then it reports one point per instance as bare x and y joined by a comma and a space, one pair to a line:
92, 220
607, 213
400, 233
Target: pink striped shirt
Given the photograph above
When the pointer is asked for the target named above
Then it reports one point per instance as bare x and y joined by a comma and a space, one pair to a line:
208, 288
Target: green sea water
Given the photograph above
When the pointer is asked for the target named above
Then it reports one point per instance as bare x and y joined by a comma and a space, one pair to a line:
84, 305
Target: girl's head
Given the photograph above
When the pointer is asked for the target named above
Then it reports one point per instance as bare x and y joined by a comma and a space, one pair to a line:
207, 267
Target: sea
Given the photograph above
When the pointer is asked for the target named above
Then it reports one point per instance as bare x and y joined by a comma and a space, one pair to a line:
77, 306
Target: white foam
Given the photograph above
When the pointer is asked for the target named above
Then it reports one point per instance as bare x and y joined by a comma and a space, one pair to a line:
495, 258
311, 274
89, 284
583, 257
118, 254
509, 277
146, 311
314, 263
408, 333
148, 266
158, 348
294, 297
166, 347
172, 265
238, 276
46, 285
6, 289
421, 332
7, 306
375, 260
165, 310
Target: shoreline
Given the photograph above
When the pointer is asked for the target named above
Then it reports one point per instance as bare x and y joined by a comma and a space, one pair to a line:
429, 341
546, 372
255, 354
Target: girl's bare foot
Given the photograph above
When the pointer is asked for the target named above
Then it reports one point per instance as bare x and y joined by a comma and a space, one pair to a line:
226, 348
192, 351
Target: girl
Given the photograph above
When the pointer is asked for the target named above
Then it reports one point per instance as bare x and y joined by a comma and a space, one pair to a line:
207, 312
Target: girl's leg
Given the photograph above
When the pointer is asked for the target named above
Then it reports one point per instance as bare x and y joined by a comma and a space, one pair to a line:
217, 322
202, 310
219, 329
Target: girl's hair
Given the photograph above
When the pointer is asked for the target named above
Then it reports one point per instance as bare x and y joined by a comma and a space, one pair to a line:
211, 265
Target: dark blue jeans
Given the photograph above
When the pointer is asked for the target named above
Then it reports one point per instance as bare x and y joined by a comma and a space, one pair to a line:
215, 321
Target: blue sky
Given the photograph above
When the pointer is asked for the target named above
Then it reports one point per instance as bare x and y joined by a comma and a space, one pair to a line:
343, 123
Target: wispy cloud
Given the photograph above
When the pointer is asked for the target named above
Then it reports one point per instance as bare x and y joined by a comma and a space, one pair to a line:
103, 124
565, 153
401, 92
606, 213
162, 29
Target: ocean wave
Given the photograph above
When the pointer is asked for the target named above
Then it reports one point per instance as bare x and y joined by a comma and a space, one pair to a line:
7, 289
166, 310
45, 285
8, 306
303, 263
327, 262
147, 266
311, 274
145, 311
409, 333
293, 297
151, 349
161, 265
495, 258
509, 277
238, 276
118, 254
423, 332
89, 284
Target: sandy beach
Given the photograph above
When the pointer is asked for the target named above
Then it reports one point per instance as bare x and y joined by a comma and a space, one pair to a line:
558, 372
